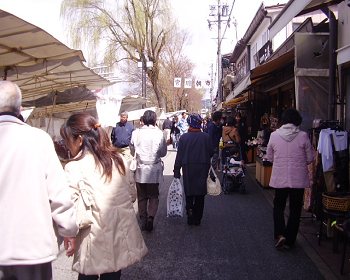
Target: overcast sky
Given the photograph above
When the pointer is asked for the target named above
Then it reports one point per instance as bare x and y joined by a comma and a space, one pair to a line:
193, 15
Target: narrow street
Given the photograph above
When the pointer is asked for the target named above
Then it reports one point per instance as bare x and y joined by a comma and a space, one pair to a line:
234, 241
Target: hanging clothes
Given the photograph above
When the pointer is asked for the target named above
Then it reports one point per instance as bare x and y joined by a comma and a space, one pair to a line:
324, 147
333, 147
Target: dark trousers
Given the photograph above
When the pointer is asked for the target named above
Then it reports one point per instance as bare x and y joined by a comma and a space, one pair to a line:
195, 204
148, 200
27, 272
290, 230
215, 158
105, 276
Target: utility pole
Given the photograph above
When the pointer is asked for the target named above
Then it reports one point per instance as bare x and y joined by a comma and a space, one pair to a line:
211, 85
221, 12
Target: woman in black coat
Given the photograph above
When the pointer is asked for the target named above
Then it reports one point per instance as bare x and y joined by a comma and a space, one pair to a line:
193, 157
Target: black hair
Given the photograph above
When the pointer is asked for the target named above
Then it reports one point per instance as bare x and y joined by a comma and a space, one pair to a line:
95, 140
238, 114
233, 150
217, 115
149, 117
230, 121
291, 116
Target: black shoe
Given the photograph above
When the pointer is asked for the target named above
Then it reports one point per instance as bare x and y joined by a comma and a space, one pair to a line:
281, 240
143, 224
149, 224
190, 217
197, 222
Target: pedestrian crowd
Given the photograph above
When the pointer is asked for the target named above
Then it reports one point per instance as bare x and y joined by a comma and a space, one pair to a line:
86, 201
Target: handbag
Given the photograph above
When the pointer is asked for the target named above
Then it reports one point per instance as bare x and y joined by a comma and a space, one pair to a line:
213, 188
133, 163
175, 199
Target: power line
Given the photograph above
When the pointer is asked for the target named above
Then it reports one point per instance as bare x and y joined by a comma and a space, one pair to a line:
219, 11
228, 22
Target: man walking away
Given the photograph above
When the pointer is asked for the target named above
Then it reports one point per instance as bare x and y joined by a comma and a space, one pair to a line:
167, 124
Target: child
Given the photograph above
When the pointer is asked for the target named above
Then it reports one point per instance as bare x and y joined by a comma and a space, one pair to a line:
235, 163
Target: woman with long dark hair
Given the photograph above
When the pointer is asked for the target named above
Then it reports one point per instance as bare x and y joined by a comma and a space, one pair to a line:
111, 239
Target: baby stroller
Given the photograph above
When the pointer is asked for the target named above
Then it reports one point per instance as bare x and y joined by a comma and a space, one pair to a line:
233, 171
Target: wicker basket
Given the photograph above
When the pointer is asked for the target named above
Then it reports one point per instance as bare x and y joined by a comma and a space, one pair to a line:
336, 201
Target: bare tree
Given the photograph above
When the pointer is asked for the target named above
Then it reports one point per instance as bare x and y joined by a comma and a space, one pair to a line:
134, 30
174, 63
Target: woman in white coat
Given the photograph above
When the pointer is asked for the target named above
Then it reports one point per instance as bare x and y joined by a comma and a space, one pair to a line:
148, 144
109, 238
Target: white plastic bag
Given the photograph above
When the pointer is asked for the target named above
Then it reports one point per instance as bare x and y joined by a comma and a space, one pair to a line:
175, 199
133, 164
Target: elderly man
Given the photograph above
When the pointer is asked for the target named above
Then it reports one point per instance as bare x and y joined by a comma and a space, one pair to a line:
34, 196
121, 135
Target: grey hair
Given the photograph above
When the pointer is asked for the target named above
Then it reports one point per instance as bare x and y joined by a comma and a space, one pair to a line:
10, 97
125, 113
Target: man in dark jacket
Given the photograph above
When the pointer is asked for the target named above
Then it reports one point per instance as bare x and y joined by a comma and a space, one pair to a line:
193, 157
167, 124
215, 133
121, 134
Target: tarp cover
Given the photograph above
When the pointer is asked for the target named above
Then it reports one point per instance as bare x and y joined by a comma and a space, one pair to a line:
40, 64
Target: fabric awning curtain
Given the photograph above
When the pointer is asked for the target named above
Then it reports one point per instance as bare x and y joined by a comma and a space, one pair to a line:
242, 86
268, 67
235, 101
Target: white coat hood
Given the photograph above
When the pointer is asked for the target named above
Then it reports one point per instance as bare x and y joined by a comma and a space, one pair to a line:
288, 131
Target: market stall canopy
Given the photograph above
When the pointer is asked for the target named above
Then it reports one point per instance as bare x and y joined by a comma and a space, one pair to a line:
40, 64
132, 102
69, 101
60, 98
80, 100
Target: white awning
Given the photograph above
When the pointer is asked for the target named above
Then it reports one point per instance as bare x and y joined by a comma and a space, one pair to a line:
40, 64
243, 84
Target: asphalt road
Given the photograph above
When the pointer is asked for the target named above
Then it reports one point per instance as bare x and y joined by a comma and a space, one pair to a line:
234, 241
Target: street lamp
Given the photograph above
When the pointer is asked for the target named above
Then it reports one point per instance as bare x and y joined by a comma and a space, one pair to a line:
144, 65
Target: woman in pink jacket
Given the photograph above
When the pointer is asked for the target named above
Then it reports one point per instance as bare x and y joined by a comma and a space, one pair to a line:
291, 152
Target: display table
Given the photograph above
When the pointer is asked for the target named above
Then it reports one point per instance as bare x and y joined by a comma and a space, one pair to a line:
251, 154
263, 171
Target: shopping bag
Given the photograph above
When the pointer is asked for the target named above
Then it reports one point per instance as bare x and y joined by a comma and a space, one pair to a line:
175, 199
213, 188
133, 164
